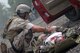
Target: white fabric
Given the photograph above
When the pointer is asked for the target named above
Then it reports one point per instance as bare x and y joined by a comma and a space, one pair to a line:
20, 23
54, 27
52, 38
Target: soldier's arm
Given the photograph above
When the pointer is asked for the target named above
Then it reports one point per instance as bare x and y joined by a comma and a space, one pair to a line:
37, 28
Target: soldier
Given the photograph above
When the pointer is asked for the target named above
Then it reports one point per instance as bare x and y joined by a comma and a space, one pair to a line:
18, 27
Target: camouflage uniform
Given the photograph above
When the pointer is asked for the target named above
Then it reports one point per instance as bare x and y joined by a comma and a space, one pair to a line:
5, 46
15, 32
69, 32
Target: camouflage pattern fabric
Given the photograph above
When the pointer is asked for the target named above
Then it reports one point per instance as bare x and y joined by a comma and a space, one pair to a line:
5, 46
69, 32
17, 37
19, 43
22, 42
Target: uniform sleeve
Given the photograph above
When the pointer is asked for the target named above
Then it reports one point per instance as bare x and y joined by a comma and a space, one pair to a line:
29, 25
